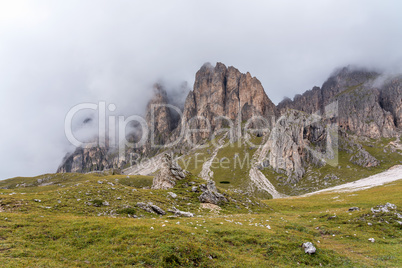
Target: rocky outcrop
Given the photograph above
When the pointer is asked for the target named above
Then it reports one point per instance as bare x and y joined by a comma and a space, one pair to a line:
289, 142
359, 156
364, 159
210, 194
220, 92
310, 102
360, 113
85, 160
168, 175
363, 109
151, 208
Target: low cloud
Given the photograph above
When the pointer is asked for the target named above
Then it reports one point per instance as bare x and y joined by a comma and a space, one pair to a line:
55, 55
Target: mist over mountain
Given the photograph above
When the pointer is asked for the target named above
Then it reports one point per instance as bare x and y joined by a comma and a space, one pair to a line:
57, 55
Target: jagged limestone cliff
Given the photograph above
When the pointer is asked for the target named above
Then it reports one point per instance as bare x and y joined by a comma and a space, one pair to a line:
296, 141
365, 108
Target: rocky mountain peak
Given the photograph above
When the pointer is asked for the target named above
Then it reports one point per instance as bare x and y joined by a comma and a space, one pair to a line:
222, 91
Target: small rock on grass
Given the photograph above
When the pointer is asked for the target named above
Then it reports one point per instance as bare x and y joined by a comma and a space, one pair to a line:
181, 213
173, 195
308, 248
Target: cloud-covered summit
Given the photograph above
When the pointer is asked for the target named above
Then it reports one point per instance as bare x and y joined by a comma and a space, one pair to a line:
55, 55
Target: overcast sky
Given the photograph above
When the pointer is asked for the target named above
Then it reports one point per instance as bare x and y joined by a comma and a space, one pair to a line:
57, 54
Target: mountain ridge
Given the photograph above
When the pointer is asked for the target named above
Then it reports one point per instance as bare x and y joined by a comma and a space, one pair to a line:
350, 105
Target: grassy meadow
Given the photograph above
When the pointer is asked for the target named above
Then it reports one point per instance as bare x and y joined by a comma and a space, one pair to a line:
53, 221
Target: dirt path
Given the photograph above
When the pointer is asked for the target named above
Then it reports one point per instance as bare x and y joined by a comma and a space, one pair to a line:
392, 174
206, 172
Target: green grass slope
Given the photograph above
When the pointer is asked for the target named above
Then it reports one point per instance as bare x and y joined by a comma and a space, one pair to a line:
267, 233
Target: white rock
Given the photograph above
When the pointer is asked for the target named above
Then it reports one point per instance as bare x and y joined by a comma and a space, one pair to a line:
309, 248
372, 240
173, 195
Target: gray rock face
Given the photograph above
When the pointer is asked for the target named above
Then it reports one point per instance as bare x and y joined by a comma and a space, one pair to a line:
360, 113
309, 248
168, 174
221, 91
159, 116
363, 108
391, 99
85, 160
289, 141
310, 102
210, 194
